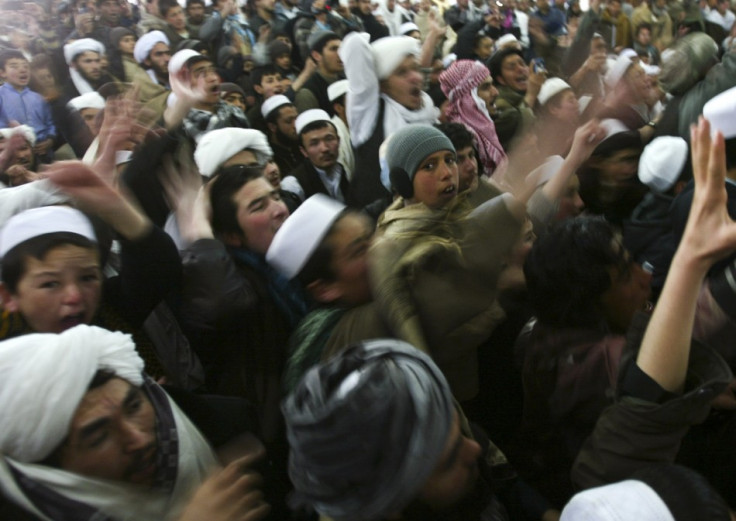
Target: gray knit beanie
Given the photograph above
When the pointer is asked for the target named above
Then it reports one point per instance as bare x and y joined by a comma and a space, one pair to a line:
409, 146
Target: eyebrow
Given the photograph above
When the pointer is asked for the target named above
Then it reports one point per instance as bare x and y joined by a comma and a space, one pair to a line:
91, 429
257, 201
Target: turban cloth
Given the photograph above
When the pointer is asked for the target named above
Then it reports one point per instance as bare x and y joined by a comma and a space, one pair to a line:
390, 51
43, 378
147, 42
367, 429
77, 47
26, 131
217, 146
460, 84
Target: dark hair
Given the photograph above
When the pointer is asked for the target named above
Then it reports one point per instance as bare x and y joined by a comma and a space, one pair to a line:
495, 64
318, 266
258, 73
10, 54
643, 25
315, 125
319, 46
731, 153
14, 262
224, 185
567, 271
200, 2
458, 133
165, 5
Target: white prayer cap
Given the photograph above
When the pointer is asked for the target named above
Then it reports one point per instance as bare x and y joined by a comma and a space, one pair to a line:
301, 233
544, 172
617, 71
146, 42
74, 49
408, 27
721, 112
310, 116
389, 52
273, 103
217, 146
449, 60
651, 70
551, 88
506, 38
44, 377
621, 501
337, 89
661, 162
613, 126
25, 130
178, 60
91, 100
40, 221
629, 53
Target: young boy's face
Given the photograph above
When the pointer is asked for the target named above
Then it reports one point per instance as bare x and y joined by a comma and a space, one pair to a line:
271, 85
58, 292
17, 72
284, 61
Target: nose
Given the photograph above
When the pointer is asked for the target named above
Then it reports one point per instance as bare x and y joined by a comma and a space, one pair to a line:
72, 295
472, 450
578, 202
133, 437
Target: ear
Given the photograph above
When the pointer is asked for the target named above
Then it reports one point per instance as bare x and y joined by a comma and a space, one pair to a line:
317, 57
304, 152
233, 239
324, 292
7, 301
258, 89
272, 127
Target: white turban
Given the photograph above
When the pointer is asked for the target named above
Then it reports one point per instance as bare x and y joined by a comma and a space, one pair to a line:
43, 378
178, 60
630, 499
389, 52
91, 100
146, 42
72, 50
218, 146
25, 130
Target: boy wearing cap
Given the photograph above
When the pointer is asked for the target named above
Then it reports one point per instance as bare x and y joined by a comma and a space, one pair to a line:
17, 160
386, 75
320, 172
337, 92
280, 116
323, 48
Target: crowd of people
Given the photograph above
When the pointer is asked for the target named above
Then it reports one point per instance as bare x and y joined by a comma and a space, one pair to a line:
347, 260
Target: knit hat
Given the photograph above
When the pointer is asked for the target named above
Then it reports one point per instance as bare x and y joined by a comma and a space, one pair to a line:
277, 48
409, 146
687, 62
226, 88
117, 34
662, 161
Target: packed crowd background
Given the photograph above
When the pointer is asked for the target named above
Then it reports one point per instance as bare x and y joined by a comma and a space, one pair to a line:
347, 260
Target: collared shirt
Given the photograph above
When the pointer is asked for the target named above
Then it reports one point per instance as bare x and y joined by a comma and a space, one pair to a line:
331, 180
27, 108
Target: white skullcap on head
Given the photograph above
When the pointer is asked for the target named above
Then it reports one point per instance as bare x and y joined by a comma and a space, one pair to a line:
217, 146
337, 89
74, 49
721, 112
147, 42
612, 126
651, 70
44, 378
544, 172
40, 221
449, 60
621, 501
408, 27
506, 38
91, 100
273, 103
178, 60
310, 116
301, 233
389, 52
550, 88
629, 53
661, 162
25, 130
617, 71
